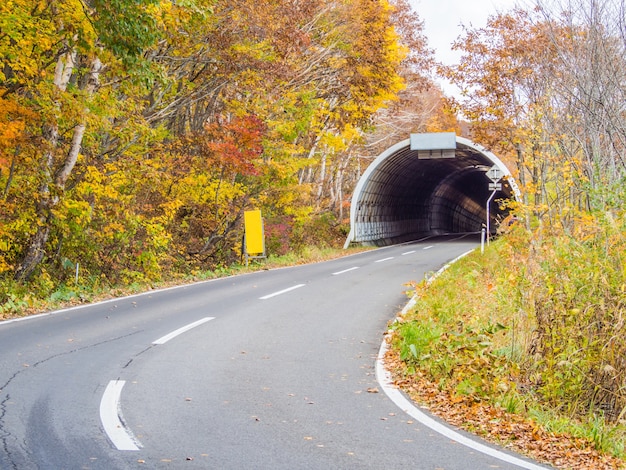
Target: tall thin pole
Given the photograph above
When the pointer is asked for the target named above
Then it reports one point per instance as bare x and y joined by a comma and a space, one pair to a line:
488, 216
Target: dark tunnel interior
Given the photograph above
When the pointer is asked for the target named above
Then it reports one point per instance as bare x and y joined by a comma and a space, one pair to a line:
408, 194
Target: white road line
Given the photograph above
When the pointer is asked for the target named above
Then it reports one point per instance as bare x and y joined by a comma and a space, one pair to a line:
173, 334
265, 297
428, 247
384, 379
345, 271
110, 301
383, 376
110, 416
408, 252
384, 259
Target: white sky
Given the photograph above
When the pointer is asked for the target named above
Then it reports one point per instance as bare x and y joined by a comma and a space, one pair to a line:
443, 20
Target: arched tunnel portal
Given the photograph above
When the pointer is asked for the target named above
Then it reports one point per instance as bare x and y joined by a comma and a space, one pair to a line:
430, 184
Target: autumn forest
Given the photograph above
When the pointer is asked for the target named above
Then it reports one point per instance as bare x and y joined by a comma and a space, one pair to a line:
135, 133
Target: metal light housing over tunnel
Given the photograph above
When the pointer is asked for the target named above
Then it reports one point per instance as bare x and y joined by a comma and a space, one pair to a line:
430, 184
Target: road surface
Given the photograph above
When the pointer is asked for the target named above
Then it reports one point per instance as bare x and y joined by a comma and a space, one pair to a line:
270, 370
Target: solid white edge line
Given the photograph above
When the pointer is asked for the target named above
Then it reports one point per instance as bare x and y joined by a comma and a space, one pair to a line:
384, 259
274, 294
395, 395
345, 271
113, 300
175, 333
155, 291
383, 376
110, 416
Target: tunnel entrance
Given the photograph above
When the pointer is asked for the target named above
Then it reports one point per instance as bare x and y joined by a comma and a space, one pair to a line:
430, 184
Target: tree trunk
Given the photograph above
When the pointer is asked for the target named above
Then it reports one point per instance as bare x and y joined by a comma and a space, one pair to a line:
35, 253
7, 186
47, 202
91, 85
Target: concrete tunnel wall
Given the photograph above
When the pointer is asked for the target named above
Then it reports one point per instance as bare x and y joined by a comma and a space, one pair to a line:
407, 194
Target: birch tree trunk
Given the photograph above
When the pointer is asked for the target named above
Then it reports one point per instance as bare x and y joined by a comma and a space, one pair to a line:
48, 199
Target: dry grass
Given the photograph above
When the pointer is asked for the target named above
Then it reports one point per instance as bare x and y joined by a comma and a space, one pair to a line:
533, 328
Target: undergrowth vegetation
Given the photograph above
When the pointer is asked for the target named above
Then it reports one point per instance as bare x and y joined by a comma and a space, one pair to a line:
535, 326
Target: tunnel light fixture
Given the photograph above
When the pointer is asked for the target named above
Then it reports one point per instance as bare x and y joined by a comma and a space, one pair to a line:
434, 145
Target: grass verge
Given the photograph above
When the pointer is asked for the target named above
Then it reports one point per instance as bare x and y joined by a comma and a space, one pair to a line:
477, 350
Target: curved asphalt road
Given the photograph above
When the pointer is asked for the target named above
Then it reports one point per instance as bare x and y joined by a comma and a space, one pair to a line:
271, 370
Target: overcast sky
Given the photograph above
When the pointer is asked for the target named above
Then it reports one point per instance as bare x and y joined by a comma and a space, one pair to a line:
443, 20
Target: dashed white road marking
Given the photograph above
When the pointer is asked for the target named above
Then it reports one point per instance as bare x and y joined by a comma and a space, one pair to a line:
428, 247
274, 294
408, 252
110, 416
384, 259
345, 271
175, 333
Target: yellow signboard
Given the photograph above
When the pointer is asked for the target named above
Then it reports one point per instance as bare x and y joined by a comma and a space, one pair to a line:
255, 239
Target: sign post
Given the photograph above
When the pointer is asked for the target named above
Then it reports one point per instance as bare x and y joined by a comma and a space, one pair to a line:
495, 175
254, 236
